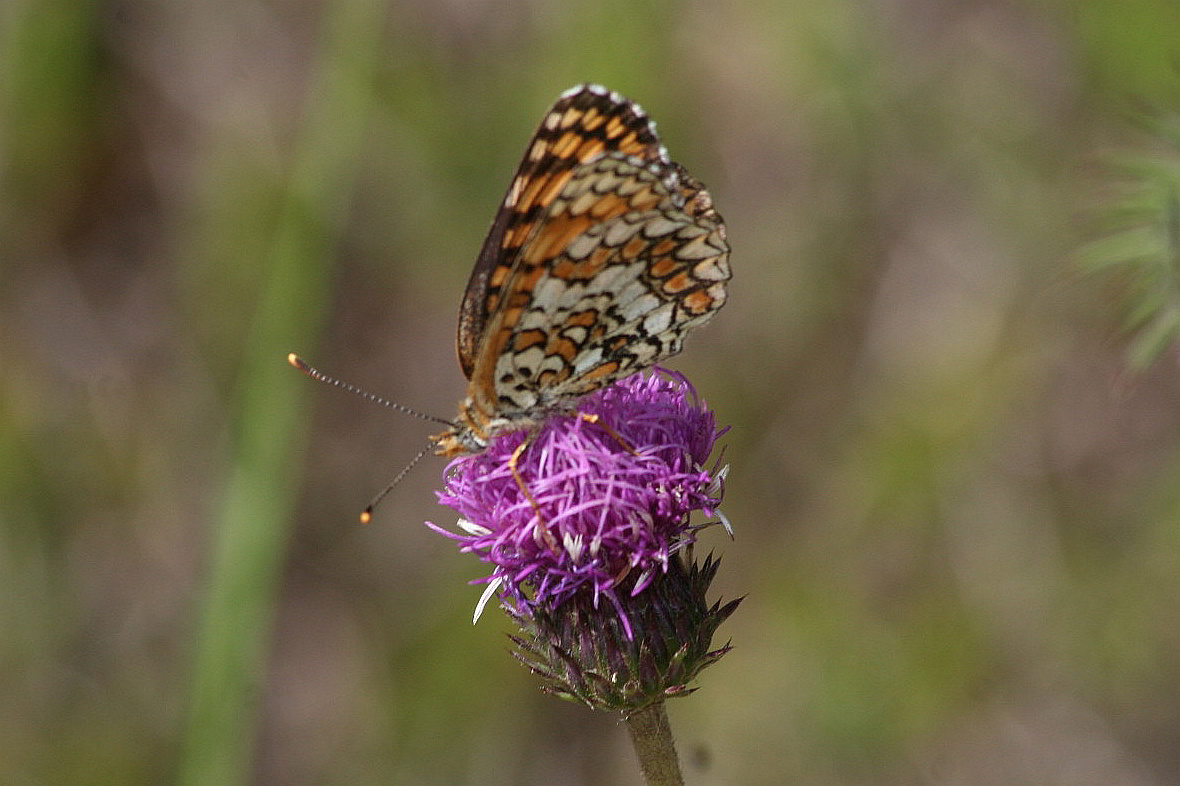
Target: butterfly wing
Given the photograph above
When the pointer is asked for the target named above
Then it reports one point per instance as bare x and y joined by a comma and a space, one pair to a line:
626, 259
584, 124
648, 277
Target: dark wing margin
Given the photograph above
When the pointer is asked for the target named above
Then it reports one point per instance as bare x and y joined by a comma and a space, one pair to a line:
585, 123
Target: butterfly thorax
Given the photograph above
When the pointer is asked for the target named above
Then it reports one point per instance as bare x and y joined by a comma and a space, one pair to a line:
474, 428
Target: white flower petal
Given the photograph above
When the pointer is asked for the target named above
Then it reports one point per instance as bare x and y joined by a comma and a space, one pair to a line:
471, 528
718, 479
493, 585
725, 522
573, 545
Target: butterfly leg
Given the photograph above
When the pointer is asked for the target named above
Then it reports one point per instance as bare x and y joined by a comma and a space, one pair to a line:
542, 526
596, 420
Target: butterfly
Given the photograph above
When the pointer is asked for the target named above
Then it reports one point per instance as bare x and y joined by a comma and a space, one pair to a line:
602, 257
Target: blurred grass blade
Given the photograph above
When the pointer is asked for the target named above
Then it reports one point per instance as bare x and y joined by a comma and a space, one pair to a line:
1142, 241
249, 544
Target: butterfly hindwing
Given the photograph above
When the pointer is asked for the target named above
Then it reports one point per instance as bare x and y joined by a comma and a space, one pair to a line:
629, 257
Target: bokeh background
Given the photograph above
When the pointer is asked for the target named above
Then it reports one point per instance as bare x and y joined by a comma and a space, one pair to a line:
956, 503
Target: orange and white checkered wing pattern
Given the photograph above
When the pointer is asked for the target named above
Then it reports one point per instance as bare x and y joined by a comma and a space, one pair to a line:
604, 255
585, 124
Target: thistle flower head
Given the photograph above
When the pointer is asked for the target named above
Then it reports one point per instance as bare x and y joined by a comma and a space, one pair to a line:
593, 497
595, 506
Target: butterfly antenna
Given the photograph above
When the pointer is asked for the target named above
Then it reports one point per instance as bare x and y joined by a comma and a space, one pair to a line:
367, 513
320, 376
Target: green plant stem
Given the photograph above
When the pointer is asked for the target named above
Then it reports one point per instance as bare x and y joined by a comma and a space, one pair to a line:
652, 737
250, 539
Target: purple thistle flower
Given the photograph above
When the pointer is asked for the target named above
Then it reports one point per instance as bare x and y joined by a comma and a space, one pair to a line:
609, 495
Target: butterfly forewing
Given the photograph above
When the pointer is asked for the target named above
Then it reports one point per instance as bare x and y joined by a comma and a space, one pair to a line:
585, 123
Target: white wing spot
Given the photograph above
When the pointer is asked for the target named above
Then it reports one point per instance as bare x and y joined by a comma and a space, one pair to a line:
659, 320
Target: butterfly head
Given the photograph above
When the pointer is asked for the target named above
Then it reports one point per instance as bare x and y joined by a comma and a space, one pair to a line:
469, 433
457, 441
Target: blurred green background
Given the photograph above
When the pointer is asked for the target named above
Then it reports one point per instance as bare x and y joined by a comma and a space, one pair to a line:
957, 508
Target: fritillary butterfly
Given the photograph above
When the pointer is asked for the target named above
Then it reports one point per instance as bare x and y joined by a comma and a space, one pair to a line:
602, 257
